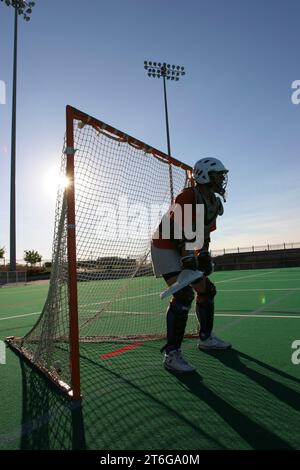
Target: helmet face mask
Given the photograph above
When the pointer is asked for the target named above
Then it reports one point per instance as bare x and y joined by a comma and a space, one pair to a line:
218, 182
212, 173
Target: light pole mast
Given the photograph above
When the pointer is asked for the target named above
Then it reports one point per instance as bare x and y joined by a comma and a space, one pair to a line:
166, 113
23, 8
169, 72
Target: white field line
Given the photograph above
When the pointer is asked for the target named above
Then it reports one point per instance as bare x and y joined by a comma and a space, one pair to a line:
157, 293
120, 312
153, 293
255, 312
244, 277
259, 290
271, 280
163, 313
20, 316
255, 316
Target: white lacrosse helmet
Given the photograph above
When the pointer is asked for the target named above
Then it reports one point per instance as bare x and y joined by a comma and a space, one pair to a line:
206, 165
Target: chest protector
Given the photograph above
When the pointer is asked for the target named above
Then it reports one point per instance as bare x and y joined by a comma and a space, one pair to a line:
212, 208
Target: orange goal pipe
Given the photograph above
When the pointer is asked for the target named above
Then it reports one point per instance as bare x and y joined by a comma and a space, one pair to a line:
72, 263
86, 119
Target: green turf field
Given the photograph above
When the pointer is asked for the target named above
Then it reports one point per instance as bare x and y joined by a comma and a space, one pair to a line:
244, 398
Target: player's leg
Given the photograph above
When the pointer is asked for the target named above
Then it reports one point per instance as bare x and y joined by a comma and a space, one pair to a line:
205, 308
206, 292
177, 315
167, 264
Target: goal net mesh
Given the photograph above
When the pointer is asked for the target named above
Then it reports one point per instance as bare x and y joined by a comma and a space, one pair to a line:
121, 192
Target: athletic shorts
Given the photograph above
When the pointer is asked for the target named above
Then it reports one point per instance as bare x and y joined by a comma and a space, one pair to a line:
165, 261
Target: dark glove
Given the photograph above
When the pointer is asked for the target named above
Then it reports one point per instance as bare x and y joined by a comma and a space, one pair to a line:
205, 263
189, 262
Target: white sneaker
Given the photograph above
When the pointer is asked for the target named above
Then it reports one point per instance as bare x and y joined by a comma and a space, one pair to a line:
213, 342
175, 361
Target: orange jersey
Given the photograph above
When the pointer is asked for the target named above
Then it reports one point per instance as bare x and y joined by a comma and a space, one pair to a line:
191, 196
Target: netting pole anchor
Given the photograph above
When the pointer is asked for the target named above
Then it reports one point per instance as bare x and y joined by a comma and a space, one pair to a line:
70, 151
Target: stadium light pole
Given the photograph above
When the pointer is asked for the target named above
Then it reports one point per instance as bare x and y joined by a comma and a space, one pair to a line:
23, 8
167, 72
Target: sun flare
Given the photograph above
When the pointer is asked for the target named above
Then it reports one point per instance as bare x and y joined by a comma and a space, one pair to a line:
53, 181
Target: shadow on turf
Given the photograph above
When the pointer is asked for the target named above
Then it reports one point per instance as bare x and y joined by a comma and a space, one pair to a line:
136, 393
49, 419
127, 408
234, 360
130, 403
258, 437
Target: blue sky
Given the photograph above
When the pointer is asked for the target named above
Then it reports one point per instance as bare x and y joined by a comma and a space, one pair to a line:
234, 103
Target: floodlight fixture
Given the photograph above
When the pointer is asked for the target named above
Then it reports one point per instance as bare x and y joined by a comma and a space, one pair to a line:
22, 7
169, 72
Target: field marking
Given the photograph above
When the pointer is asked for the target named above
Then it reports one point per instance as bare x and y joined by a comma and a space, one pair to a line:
21, 316
163, 314
254, 316
139, 296
243, 277
101, 302
154, 293
157, 293
216, 314
156, 314
119, 351
261, 309
259, 290
275, 301
271, 280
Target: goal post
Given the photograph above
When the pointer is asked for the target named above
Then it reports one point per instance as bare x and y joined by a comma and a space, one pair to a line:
72, 263
102, 287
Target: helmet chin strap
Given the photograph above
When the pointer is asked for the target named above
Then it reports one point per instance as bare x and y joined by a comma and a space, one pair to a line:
223, 195
219, 188
220, 191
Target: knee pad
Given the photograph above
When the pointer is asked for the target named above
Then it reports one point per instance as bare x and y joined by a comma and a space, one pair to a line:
184, 296
177, 316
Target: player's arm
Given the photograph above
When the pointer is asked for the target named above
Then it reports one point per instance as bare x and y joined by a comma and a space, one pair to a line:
198, 259
185, 201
